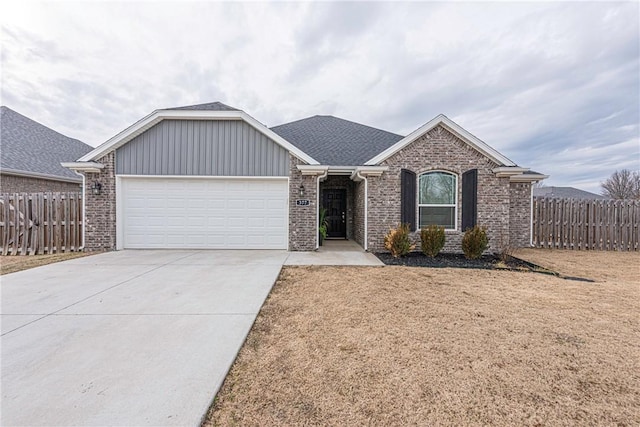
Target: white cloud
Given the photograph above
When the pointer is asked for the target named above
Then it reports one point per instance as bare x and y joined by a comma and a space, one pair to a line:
554, 86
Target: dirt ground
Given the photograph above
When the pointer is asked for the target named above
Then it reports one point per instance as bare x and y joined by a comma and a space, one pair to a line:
11, 264
418, 346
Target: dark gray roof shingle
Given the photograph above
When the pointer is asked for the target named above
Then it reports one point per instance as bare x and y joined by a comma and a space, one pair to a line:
336, 142
211, 106
28, 146
566, 193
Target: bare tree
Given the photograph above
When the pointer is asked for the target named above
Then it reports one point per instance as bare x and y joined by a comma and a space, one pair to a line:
623, 184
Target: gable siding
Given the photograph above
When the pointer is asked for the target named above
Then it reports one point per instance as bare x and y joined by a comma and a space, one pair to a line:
202, 148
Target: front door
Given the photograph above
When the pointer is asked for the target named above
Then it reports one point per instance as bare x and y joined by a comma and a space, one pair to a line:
335, 202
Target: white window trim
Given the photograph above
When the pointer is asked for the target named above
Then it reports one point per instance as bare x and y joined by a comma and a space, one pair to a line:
430, 205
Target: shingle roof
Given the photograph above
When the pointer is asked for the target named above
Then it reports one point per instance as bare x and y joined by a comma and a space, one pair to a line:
336, 142
211, 106
566, 193
30, 147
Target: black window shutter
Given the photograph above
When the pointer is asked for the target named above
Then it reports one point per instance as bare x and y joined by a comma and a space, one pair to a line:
408, 198
469, 199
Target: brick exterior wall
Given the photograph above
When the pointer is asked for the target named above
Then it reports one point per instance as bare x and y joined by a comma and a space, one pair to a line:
503, 207
100, 230
341, 182
303, 227
358, 212
25, 184
439, 150
520, 214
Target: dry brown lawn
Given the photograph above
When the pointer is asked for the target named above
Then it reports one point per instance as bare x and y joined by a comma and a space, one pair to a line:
417, 346
11, 264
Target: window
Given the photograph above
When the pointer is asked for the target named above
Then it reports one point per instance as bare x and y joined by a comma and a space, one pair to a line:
437, 199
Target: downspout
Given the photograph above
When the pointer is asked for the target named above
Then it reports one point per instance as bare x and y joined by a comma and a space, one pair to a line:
531, 217
84, 208
318, 179
366, 203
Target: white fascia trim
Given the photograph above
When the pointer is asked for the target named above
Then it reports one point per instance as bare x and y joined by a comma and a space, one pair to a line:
271, 178
92, 167
527, 178
157, 116
27, 174
312, 170
451, 126
503, 171
362, 172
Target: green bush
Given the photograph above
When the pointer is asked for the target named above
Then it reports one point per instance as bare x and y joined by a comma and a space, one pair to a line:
432, 240
474, 242
397, 241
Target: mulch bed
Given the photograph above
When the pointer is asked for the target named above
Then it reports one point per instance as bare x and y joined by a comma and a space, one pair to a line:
449, 260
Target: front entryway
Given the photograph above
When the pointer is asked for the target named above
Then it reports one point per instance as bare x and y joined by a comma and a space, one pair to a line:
335, 202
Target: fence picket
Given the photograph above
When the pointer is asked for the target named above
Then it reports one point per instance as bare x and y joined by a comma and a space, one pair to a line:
5, 223
39, 223
611, 225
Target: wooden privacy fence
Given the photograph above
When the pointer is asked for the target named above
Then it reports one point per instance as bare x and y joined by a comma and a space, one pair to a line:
586, 224
40, 223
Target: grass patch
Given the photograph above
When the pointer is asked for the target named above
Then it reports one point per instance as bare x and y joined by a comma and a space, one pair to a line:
419, 346
12, 264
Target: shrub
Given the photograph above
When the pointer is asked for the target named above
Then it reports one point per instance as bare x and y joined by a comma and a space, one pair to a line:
432, 240
474, 242
397, 241
507, 251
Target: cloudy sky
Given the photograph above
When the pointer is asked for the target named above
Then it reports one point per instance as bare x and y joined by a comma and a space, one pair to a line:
553, 86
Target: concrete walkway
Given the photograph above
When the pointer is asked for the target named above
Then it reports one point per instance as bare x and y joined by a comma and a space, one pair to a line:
335, 252
129, 338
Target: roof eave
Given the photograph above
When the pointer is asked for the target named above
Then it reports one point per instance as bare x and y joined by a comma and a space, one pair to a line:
38, 175
157, 116
528, 177
507, 171
452, 127
90, 167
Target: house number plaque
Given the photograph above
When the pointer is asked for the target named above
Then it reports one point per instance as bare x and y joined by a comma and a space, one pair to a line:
303, 202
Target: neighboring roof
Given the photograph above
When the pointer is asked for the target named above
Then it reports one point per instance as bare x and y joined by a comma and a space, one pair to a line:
336, 142
211, 106
184, 113
451, 126
566, 193
32, 149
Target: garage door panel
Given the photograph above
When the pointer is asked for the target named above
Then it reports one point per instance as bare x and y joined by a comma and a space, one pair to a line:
204, 213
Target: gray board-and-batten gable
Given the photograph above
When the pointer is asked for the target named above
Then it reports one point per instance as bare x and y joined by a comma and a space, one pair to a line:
202, 148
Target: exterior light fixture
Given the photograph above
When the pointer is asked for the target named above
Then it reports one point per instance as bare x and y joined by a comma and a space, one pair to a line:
301, 189
96, 188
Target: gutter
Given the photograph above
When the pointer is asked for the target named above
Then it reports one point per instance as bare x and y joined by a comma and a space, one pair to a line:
16, 172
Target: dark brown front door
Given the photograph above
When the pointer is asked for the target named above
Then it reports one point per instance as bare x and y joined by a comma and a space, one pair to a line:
335, 202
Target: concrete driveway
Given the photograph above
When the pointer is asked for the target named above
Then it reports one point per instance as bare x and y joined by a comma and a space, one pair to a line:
129, 338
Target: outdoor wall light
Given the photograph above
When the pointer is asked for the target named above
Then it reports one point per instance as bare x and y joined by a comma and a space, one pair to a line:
301, 190
96, 188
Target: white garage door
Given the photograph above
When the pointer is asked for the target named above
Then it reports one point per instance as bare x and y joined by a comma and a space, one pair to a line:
203, 213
